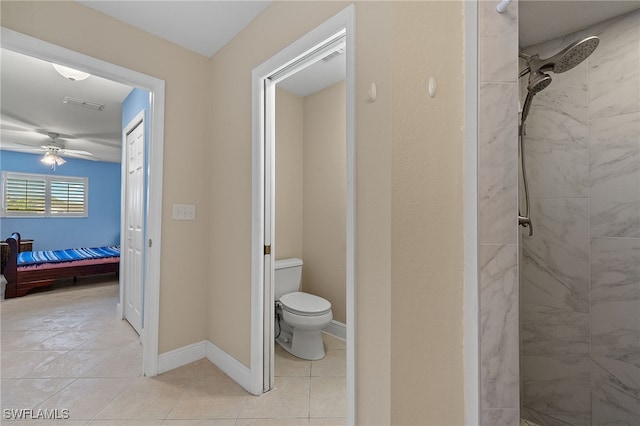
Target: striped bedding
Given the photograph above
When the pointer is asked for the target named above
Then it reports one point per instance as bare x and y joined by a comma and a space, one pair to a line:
59, 256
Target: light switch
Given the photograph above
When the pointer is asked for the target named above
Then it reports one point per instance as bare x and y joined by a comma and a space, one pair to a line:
184, 212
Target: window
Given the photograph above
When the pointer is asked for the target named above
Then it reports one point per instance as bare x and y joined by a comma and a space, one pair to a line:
35, 195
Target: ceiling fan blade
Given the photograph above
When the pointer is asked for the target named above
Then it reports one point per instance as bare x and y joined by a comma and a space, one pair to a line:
83, 156
21, 149
76, 152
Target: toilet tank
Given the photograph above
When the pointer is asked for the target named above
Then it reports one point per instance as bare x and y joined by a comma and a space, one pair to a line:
288, 275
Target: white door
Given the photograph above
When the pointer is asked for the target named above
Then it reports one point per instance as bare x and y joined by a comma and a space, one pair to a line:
133, 253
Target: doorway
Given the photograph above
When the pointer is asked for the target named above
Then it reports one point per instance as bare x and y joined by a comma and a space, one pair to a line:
27, 45
301, 54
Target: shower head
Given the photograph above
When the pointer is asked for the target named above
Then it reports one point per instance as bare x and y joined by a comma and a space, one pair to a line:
538, 81
566, 59
573, 54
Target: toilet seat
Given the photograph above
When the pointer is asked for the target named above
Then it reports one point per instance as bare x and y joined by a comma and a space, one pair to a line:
305, 304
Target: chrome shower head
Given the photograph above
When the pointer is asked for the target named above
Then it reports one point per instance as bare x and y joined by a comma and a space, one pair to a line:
566, 59
538, 81
574, 54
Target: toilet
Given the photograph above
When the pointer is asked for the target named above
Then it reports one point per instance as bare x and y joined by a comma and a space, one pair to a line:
300, 317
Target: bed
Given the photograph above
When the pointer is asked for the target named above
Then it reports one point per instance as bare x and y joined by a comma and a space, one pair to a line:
31, 269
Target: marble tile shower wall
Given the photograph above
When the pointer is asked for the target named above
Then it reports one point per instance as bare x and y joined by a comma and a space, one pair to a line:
498, 213
580, 272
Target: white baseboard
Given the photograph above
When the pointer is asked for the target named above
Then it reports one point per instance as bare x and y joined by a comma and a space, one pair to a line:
182, 356
336, 329
205, 349
233, 368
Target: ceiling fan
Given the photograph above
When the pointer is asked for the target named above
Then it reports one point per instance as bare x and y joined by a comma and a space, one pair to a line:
54, 150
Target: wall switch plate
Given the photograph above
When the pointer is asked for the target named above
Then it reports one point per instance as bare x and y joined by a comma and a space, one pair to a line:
184, 212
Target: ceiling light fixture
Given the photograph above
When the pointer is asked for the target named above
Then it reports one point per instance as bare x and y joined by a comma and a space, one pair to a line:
70, 73
51, 158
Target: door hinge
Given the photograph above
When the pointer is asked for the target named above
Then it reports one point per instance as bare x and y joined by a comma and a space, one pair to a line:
150, 242
267, 249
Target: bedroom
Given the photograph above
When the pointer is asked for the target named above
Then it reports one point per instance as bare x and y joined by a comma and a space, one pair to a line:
38, 104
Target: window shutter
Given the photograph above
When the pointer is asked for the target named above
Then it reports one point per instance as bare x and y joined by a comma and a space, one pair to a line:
36, 195
25, 195
67, 197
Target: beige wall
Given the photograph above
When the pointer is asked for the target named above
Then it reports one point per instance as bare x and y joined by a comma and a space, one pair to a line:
311, 190
409, 333
426, 215
324, 246
184, 272
289, 175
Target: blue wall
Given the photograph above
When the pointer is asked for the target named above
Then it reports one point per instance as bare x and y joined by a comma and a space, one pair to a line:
102, 227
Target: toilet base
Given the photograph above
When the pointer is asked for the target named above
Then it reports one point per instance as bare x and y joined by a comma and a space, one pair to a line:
303, 344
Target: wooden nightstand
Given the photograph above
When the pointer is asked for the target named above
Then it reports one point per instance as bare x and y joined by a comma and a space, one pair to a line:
25, 245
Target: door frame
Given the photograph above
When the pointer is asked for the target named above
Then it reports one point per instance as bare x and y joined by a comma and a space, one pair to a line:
40, 49
262, 149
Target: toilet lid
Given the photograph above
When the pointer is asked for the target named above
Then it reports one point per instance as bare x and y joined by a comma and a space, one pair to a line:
305, 304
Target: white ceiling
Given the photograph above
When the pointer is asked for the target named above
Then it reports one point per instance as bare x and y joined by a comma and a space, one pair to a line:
201, 26
31, 106
32, 92
542, 20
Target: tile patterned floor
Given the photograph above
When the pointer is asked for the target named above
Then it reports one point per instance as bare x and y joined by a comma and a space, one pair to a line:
65, 349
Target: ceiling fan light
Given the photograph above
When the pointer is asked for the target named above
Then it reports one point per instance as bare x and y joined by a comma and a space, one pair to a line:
70, 73
52, 159
48, 159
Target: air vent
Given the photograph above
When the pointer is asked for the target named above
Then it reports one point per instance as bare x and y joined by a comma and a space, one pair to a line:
332, 55
82, 103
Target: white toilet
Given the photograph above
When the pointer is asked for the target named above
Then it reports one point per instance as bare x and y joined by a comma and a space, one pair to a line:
302, 315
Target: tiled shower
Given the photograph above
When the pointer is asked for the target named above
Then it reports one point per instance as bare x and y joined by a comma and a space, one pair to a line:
580, 271
560, 311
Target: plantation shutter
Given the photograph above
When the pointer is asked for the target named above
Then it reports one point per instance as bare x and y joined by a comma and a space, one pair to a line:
25, 195
36, 195
67, 197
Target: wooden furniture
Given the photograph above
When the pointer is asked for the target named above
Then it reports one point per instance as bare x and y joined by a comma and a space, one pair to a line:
25, 245
22, 279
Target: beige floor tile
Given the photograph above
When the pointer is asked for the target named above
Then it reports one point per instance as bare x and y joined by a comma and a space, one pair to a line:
25, 340
68, 340
287, 365
273, 422
289, 398
328, 421
6, 383
208, 398
328, 397
332, 342
84, 398
15, 364
125, 362
145, 398
68, 364
203, 422
334, 363
130, 422
41, 422
198, 369
74, 332
29, 393
111, 339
